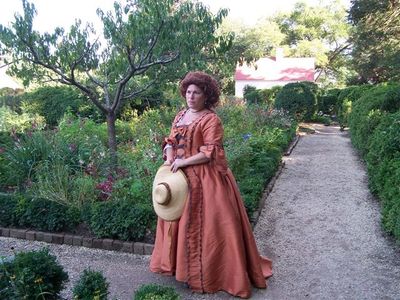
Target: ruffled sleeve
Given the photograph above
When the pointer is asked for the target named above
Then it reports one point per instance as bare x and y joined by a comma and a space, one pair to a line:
213, 148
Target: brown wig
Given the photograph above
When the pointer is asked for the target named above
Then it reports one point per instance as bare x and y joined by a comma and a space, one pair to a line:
206, 83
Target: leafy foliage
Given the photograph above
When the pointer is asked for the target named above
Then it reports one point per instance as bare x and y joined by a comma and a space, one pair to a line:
345, 99
299, 99
12, 121
254, 150
368, 111
156, 292
91, 285
46, 215
374, 127
8, 205
52, 102
123, 220
321, 32
375, 37
32, 275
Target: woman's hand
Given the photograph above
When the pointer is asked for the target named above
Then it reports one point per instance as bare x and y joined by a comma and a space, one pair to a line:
178, 163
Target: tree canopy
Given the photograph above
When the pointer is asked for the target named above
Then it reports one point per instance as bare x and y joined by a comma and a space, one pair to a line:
321, 32
140, 39
376, 39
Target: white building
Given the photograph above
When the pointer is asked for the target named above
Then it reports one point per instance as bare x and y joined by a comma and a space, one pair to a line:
271, 71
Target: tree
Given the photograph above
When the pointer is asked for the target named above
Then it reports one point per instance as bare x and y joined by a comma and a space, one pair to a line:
376, 39
252, 42
140, 38
321, 32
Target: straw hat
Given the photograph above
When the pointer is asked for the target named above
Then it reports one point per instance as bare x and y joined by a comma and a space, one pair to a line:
170, 191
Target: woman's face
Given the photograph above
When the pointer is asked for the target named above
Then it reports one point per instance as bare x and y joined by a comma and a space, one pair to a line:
195, 97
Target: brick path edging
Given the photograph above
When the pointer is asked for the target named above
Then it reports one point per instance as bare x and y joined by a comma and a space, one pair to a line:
76, 240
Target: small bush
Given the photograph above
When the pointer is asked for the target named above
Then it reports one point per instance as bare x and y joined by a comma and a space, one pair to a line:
299, 99
121, 219
156, 292
8, 205
32, 275
46, 215
91, 285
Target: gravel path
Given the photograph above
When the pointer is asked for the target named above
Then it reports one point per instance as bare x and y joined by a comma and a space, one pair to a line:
320, 226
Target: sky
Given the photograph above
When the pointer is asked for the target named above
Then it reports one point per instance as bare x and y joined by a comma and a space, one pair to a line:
53, 13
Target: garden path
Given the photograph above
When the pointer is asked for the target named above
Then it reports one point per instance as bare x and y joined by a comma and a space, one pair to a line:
320, 225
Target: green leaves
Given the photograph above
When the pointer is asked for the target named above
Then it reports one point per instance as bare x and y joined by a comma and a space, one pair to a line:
376, 39
140, 38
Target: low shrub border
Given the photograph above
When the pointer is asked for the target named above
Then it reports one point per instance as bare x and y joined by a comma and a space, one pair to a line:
76, 240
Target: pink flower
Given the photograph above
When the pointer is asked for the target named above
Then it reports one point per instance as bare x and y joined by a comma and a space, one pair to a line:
105, 187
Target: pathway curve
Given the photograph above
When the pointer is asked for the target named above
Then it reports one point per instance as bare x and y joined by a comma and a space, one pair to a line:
320, 225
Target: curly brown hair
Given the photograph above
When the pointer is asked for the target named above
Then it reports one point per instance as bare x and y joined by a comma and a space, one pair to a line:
206, 83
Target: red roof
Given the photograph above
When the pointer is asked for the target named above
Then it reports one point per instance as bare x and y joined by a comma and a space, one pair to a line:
282, 69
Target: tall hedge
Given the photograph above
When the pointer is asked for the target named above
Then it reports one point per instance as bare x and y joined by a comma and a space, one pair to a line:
299, 99
368, 111
345, 99
375, 132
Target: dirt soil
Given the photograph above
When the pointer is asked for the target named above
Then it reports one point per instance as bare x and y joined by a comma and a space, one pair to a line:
320, 226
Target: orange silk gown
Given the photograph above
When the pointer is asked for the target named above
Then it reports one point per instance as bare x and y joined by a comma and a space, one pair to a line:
211, 247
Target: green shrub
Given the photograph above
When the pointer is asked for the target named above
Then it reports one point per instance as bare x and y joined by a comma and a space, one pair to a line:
8, 205
367, 113
384, 142
156, 292
123, 220
32, 275
374, 127
11, 98
299, 99
383, 162
327, 104
23, 157
252, 95
249, 92
91, 285
52, 102
46, 215
12, 121
324, 119
345, 99
390, 196
330, 104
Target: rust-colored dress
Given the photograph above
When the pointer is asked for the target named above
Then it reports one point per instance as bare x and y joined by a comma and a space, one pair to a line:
211, 247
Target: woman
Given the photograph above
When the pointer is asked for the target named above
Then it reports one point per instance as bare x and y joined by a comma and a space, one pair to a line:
211, 247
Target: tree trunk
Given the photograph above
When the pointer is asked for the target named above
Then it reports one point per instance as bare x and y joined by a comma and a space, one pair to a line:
112, 139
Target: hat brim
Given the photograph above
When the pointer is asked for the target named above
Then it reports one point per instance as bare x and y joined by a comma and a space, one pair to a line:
179, 192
